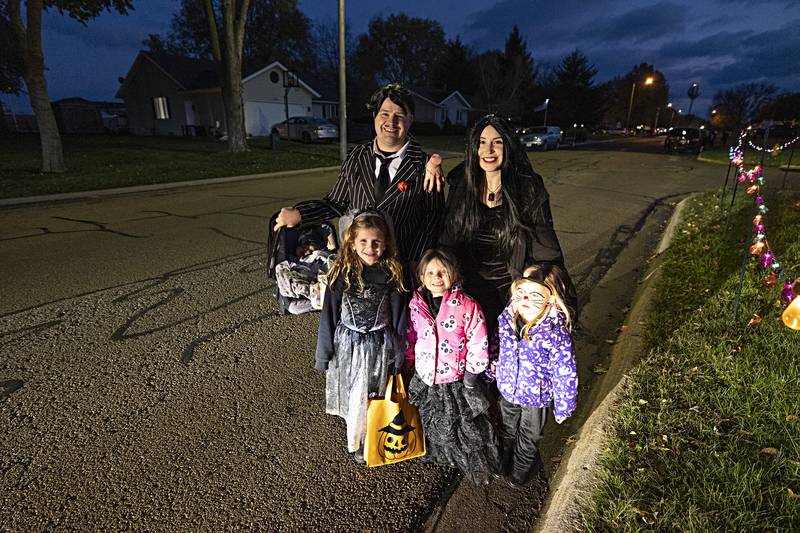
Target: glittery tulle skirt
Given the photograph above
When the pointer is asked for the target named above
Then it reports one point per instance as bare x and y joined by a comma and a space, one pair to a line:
358, 371
457, 429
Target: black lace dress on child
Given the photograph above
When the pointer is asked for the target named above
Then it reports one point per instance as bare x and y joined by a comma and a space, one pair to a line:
364, 346
458, 432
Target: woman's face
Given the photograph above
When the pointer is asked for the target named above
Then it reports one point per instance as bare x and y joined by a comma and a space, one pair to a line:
436, 278
529, 299
490, 150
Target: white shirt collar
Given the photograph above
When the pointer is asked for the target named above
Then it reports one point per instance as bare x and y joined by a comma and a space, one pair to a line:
400, 154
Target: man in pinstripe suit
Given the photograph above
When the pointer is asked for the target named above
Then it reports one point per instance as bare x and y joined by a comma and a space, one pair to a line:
387, 173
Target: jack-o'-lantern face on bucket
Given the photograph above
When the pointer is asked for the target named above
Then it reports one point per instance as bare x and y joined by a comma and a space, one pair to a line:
397, 439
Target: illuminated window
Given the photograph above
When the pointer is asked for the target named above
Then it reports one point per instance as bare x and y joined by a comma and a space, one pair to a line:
161, 107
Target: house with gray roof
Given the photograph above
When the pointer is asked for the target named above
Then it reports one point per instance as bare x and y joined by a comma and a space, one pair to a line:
167, 94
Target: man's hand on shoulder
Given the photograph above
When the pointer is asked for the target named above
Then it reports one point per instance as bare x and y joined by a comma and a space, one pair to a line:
288, 217
433, 174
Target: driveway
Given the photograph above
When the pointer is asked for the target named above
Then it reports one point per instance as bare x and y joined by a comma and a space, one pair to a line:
147, 382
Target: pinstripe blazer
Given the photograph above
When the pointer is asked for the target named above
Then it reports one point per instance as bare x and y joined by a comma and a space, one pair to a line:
416, 214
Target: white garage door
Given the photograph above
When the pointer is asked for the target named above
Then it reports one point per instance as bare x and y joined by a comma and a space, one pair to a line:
259, 117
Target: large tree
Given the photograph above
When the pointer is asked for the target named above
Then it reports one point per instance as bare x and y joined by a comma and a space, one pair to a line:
455, 69
785, 107
574, 98
736, 107
519, 76
400, 49
226, 28
325, 36
649, 99
507, 79
274, 30
27, 35
10, 56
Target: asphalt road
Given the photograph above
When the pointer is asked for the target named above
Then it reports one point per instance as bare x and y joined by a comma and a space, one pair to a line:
147, 382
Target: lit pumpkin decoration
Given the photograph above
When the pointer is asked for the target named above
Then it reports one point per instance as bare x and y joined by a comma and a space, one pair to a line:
791, 315
397, 439
757, 248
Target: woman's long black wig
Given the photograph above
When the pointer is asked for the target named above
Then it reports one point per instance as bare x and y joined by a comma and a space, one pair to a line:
464, 221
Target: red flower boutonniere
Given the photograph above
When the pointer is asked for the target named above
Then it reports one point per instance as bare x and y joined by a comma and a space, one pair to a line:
403, 186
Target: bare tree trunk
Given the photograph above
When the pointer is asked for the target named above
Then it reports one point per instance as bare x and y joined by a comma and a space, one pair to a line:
30, 42
234, 107
228, 56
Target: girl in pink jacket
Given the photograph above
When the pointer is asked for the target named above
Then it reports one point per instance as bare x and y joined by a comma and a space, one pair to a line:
448, 348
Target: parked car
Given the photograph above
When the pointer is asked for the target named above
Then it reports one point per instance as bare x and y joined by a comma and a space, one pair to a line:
306, 129
543, 137
685, 140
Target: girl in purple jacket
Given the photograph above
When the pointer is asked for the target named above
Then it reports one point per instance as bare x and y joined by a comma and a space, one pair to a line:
535, 368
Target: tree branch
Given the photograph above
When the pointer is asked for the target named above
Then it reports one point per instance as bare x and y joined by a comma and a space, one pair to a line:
241, 22
211, 17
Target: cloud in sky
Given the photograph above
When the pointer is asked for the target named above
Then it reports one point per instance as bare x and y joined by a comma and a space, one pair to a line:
716, 42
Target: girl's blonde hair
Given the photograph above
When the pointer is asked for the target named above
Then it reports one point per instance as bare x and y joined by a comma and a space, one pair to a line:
551, 277
350, 266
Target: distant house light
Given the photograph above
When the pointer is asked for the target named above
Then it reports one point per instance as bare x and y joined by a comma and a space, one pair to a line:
161, 107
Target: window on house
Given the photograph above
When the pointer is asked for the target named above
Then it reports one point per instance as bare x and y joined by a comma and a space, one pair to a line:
458, 115
161, 107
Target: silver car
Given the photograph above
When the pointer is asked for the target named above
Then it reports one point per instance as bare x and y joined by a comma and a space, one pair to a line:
541, 137
306, 129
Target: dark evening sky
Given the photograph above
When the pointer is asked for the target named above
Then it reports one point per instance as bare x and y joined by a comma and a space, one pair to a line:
717, 43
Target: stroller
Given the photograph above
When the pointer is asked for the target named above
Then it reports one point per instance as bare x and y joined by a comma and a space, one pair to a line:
298, 259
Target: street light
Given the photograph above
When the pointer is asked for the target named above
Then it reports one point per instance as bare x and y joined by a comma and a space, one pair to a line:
648, 81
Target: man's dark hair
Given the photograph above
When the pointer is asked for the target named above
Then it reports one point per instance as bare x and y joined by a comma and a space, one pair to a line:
394, 92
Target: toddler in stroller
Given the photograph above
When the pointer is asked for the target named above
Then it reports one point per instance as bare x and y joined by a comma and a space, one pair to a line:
299, 259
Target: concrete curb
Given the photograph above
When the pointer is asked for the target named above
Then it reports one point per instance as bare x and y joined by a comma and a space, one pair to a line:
574, 480
9, 202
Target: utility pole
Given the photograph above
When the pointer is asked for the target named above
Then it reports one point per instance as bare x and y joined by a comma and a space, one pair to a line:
630, 107
655, 124
342, 87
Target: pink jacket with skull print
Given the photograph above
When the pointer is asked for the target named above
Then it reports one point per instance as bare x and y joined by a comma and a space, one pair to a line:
442, 348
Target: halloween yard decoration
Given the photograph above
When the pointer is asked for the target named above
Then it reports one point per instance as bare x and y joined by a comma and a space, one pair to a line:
394, 429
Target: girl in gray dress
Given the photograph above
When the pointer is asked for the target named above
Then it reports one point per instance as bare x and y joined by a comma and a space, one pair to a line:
363, 314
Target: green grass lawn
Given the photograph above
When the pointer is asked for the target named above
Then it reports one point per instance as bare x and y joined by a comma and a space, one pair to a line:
753, 157
707, 435
443, 143
105, 161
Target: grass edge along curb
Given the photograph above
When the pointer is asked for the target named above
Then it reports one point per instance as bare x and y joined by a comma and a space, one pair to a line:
77, 195
706, 435
576, 476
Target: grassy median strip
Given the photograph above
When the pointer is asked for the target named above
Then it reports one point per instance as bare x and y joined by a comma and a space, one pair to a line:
107, 161
779, 158
707, 434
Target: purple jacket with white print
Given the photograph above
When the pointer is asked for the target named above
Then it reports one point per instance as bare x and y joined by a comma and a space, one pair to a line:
534, 372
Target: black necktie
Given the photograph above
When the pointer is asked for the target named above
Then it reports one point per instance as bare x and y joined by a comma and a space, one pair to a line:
382, 183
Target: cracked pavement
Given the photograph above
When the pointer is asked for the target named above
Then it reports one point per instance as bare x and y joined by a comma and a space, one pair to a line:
147, 381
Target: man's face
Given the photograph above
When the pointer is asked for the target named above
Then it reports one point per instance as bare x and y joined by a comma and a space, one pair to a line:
391, 126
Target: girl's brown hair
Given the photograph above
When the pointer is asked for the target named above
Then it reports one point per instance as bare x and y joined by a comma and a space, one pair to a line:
447, 260
551, 277
350, 266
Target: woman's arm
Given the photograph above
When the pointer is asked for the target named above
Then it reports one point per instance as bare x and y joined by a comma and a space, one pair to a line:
543, 247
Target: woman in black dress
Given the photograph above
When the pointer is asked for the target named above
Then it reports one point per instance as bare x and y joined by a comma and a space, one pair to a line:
498, 219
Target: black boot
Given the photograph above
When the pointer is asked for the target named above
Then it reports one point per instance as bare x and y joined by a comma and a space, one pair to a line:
520, 472
506, 458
